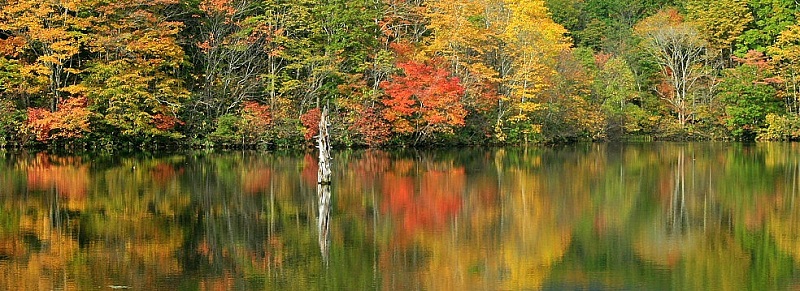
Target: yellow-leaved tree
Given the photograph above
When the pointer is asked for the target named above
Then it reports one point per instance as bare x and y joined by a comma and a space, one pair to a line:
533, 43
785, 55
49, 34
509, 46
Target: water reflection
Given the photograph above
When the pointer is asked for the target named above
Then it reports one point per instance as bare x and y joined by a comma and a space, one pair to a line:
323, 219
649, 216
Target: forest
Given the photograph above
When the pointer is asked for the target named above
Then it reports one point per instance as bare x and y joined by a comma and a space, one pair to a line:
155, 74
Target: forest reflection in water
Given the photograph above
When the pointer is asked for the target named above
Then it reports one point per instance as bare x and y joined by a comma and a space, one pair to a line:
630, 216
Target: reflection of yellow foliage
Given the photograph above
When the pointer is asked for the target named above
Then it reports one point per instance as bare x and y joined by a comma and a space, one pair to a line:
224, 282
403, 166
477, 254
786, 231
656, 246
717, 263
705, 259
42, 263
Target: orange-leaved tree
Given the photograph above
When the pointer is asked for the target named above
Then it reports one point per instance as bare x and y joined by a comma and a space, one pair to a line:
425, 100
69, 122
256, 121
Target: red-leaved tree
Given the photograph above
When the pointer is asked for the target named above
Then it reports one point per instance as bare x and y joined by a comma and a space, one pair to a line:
69, 122
310, 121
256, 121
424, 100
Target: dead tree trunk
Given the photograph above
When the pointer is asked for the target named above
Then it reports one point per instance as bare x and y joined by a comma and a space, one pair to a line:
324, 146
324, 183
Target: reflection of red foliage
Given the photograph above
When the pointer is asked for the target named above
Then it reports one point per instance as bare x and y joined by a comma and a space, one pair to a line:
427, 208
67, 175
163, 173
310, 169
256, 180
371, 164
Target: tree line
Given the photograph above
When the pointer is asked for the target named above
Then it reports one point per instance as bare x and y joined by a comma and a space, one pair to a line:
104, 74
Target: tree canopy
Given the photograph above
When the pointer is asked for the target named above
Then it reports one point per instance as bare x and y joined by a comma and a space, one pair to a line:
251, 73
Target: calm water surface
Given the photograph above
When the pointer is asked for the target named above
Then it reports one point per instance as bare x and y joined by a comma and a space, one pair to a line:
696, 216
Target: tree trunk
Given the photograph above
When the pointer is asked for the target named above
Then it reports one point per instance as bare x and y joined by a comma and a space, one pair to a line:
324, 183
324, 146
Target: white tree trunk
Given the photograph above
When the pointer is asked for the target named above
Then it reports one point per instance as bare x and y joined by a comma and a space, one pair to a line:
324, 146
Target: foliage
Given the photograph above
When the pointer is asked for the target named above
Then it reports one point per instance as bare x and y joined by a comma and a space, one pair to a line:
11, 121
46, 38
720, 22
256, 121
372, 127
781, 128
750, 99
310, 122
227, 131
162, 72
679, 52
70, 122
615, 86
785, 55
249, 128
770, 18
424, 101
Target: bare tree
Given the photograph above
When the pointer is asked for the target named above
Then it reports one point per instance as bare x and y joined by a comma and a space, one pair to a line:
232, 57
679, 51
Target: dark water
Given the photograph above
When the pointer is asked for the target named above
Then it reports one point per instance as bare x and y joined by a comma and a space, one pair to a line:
697, 216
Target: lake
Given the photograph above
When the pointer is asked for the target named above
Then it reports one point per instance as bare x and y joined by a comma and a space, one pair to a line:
653, 216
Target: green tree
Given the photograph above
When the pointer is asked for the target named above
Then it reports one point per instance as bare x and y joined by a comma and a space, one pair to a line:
770, 18
615, 85
748, 98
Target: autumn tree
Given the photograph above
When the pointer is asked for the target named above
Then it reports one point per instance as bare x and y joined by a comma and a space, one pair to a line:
230, 55
403, 20
532, 51
785, 55
70, 122
256, 121
423, 101
497, 51
679, 51
463, 34
287, 27
132, 80
748, 95
720, 23
46, 38
615, 85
